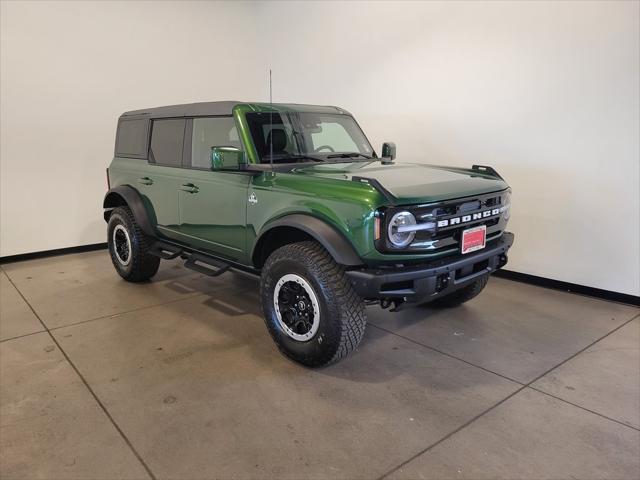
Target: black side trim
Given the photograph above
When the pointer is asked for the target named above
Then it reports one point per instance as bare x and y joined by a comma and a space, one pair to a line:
337, 246
569, 287
134, 200
52, 253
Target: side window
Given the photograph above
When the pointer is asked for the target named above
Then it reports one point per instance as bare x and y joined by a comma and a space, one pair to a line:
211, 132
131, 138
167, 142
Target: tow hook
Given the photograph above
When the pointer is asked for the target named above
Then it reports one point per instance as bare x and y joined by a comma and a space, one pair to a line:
396, 302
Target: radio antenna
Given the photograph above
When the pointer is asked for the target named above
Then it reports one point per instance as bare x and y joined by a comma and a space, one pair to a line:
270, 121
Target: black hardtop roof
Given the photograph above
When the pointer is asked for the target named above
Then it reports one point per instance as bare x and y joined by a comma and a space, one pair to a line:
225, 108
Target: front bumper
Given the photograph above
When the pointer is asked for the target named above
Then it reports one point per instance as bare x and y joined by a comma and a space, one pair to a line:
426, 282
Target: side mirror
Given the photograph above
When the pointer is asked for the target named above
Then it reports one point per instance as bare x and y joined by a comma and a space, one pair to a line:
389, 150
226, 158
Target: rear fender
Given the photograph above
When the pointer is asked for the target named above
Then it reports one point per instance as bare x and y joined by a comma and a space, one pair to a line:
129, 196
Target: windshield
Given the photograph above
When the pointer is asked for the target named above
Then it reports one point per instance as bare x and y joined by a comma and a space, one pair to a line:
288, 137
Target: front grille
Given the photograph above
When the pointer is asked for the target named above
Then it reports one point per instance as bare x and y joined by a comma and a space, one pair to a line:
453, 212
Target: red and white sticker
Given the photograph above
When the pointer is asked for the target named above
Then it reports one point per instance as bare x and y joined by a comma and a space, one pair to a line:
474, 239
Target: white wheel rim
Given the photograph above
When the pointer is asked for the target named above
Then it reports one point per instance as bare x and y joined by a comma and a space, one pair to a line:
314, 307
118, 231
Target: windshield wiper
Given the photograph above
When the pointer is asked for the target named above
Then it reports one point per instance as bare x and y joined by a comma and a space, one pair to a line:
348, 155
294, 157
310, 157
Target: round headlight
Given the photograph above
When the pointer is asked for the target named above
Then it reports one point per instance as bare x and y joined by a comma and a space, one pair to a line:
401, 239
506, 205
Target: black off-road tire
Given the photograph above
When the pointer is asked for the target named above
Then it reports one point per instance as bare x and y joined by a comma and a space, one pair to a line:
463, 295
141, 265
342, 316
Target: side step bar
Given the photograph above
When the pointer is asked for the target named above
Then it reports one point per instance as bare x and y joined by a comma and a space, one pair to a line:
206, 265
195, 261
166, 251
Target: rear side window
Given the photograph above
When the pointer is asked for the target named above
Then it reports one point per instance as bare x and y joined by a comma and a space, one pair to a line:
131, 138
167, 142
211, 132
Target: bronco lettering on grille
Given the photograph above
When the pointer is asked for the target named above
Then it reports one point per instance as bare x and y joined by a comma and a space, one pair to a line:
469, 218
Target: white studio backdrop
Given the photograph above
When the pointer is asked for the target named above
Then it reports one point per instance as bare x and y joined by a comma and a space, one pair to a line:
546, 92
69, 69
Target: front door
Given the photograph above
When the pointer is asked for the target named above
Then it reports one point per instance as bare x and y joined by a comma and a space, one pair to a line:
213, 204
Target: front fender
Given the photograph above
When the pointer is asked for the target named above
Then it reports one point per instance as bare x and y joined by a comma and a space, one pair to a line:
333, 241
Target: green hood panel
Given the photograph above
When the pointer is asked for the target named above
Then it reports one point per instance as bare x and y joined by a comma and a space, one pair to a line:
411, 182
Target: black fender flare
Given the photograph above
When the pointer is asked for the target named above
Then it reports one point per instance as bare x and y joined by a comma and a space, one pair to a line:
134, 201
333, 241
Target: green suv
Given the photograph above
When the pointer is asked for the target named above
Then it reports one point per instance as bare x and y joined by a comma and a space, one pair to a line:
297, 195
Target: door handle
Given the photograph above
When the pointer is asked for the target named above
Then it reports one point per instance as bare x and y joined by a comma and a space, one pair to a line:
189, 187
145, 181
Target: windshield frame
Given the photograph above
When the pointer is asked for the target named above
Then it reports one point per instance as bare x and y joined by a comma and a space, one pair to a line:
292, 119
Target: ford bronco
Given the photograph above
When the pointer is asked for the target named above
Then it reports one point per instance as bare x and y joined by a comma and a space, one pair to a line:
297, 195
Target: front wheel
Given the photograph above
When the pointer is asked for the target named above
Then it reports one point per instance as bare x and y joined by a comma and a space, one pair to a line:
311, 309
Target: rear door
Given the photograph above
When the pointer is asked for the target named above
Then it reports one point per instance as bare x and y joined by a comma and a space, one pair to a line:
165, 172
212, 204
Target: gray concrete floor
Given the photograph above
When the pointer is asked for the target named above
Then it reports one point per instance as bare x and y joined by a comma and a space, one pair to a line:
178, 378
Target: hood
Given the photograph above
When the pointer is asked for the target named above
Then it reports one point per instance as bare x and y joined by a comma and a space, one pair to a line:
412, 182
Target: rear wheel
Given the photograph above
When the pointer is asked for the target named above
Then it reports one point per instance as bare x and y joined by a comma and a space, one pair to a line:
129, 247
463, 295
310, 307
